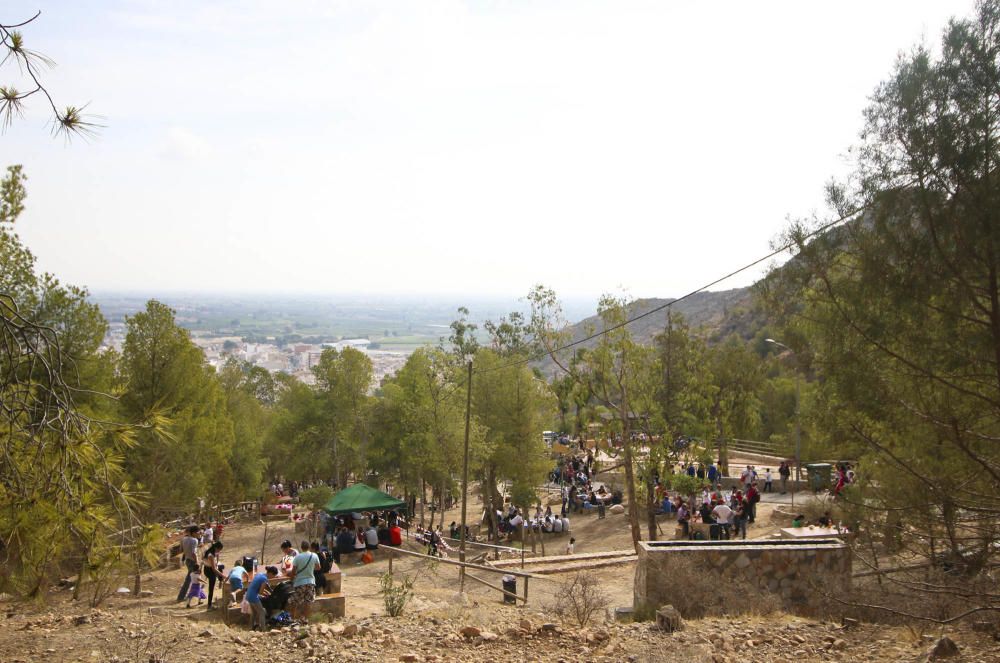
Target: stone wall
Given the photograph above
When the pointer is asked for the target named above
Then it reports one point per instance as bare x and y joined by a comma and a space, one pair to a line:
731, 577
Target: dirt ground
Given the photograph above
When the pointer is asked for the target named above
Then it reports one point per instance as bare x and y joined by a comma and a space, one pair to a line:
441, 624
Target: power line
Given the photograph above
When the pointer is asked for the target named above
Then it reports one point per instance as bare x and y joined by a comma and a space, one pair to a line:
661, 307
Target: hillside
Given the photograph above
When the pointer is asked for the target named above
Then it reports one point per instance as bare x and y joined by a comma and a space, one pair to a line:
712, 315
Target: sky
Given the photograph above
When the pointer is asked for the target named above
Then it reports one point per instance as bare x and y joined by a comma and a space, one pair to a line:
440, 147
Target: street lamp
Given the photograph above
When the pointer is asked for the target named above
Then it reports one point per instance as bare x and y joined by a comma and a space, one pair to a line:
798, 417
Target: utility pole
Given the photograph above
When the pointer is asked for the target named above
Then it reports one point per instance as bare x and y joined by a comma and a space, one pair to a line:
798, 417
465, 474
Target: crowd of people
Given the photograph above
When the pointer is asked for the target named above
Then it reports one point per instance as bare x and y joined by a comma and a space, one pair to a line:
575, 476
279, 489
291, 584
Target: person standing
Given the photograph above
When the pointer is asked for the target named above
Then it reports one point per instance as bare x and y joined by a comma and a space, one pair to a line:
210, 569
303, 574
784, 471
724, 516
258, 587
189, 555
740, 519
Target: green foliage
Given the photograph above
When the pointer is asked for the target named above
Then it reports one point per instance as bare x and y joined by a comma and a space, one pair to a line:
164, 375
898, 313
316, 497
395, 595
513, 406
63, 491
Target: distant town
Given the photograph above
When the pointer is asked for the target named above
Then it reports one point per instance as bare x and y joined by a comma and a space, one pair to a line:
288, 334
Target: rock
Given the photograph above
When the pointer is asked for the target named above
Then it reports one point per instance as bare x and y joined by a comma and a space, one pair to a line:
302, 635
146, 594
123, 591
945, 648
408, 658
839, 644
847, 622
488, 636
616, 509
669, 619
550, 627
207, 633
350, 630
337, 629
239, 640
81, 620
470, 632
525, 625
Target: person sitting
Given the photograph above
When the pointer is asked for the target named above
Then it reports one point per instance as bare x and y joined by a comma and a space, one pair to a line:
371, 539
705, 510
344, 544
799, 520
557, 526
395, 535
547, 526
683, 518
453, 530
288, 554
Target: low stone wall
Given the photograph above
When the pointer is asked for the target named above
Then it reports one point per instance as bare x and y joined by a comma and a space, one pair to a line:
731, 577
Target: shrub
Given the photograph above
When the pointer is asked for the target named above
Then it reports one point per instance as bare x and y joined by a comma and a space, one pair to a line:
395, 595
579, 599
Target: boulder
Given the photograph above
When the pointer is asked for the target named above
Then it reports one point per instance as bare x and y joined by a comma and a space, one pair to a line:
470, 632
944, 648
617, 509
669, 619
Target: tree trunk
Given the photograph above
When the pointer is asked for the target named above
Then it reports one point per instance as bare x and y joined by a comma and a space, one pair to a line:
423, 496
650, 508
633, 505
441, 495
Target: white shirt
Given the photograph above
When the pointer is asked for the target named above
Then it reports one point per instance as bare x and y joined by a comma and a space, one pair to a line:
569, 548
208, 536
557, 525
722, 513
565, 524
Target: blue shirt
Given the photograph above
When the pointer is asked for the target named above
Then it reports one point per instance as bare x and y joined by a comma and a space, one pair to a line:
253, 591
305, 564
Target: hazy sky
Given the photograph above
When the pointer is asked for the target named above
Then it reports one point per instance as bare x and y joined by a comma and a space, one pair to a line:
441, 146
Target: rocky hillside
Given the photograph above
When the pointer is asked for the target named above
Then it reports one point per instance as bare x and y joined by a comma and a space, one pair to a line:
713, 315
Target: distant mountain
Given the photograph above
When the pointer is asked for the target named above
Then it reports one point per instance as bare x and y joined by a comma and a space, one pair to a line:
711, 315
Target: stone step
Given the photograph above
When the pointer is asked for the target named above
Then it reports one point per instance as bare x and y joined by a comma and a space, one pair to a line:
553, 559
334, 605
560, 567
333, 582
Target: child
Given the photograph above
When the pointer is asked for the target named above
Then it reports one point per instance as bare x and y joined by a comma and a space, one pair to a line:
569, 546
767, 480
196, 590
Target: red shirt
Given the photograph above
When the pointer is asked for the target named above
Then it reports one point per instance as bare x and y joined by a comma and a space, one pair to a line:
395, 535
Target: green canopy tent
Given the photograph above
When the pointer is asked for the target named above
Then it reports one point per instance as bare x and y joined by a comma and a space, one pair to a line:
360, 497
